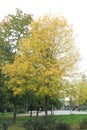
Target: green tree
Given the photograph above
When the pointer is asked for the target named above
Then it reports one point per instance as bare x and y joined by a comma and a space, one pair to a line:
13, 28
3, 93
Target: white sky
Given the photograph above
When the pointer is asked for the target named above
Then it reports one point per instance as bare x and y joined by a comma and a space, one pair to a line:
75, 11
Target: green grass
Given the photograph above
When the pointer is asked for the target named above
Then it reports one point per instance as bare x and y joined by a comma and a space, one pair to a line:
15, 127
71, 119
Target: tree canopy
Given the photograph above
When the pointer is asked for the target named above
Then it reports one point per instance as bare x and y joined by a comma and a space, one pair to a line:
13, 28
81, 90
44, 59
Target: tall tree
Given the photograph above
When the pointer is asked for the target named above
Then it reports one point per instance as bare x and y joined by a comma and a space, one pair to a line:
56, 52
12, 28
44, 59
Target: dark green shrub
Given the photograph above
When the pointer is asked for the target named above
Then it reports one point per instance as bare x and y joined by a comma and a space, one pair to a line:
45, 123
40, 123
49, 122
5, 125
63, 126
83, 124
28, 125
21, 110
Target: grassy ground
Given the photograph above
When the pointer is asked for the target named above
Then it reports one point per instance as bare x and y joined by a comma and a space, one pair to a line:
71, 119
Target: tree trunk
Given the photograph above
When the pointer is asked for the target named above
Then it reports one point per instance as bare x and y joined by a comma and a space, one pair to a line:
30, 113
31, 110
14, 111
46, 106
51, 110
37, 111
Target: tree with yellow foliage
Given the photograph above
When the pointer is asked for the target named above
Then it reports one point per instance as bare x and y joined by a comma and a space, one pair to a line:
44, 59
81, 91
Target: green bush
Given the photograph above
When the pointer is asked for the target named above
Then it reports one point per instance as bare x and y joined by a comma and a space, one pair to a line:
5, 125
63, 126
83, 124
21, 110
40, 123
45, 123
28, 125
49, 122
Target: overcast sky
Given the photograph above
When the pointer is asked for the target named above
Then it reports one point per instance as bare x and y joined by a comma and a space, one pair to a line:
75, 11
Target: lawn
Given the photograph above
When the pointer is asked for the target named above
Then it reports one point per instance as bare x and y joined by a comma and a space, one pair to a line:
71, 119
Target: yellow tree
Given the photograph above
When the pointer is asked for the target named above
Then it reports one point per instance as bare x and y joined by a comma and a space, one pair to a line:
81, 92
44, 59
55, 42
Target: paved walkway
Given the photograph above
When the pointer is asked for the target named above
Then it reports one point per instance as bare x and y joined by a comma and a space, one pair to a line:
56, 112
68, 112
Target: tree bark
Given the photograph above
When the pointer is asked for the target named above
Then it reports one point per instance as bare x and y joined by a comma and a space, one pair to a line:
37, 111
46, 106
31, 110
15, 111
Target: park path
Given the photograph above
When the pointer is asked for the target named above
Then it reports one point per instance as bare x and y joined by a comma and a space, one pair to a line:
55, 112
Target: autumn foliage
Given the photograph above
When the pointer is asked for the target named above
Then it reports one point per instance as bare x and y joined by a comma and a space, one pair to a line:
44, 60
